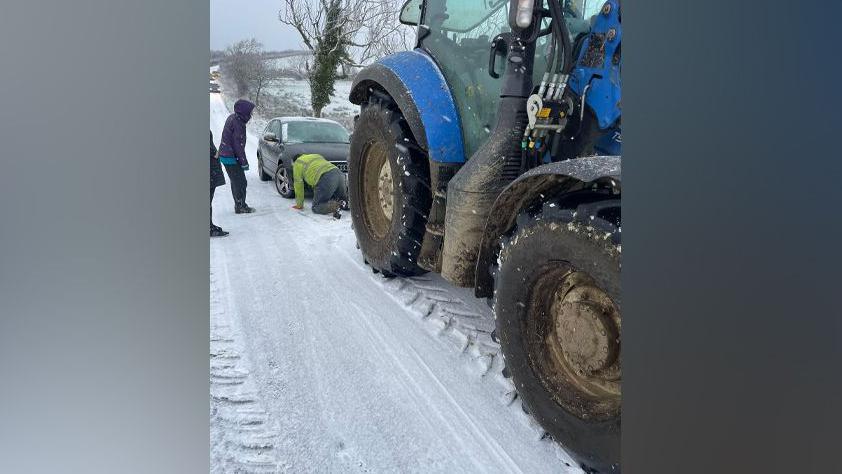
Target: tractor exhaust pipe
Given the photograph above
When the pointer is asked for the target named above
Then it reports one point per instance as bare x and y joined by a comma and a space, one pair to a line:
472, 191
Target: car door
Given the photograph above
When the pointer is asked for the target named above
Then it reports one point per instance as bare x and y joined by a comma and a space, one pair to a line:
275, 148
263, 146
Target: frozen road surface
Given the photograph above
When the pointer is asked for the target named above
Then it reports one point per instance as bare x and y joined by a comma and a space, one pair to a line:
319, 365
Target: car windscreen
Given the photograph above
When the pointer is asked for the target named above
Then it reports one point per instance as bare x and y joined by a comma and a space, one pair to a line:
314, 132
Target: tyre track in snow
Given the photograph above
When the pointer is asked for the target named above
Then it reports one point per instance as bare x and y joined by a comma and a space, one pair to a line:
465, 322
417, 379
241, 438
467, 327
351, 380
278, 372
493, 447
408, 382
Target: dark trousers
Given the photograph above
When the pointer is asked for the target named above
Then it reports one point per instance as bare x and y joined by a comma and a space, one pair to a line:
238, 184
329, 191
211, 206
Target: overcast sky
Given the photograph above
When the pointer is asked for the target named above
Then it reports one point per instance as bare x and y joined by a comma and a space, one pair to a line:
233, 20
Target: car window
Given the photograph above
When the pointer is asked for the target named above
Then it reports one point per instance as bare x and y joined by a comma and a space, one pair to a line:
276, 127
315, 132
268, 127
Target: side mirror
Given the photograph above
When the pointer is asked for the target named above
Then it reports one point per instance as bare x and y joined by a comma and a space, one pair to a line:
270, 137
411, 12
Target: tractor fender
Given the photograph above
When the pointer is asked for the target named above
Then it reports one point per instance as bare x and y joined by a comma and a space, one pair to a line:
532, 188
415, 83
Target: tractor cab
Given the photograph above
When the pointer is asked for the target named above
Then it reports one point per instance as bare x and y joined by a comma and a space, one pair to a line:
458, 35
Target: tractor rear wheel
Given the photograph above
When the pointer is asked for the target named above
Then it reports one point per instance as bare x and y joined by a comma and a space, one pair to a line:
388, 183
557, 311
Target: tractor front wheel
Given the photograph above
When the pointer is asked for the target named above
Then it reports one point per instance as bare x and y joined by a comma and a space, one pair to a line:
557, 311
388, 183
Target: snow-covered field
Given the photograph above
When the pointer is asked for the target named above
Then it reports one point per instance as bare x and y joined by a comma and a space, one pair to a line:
297, 91
290, 96
319, 365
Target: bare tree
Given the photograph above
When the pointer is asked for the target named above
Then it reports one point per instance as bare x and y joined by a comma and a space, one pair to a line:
247, 66
240, 60
343, 33
300, 65
261, 75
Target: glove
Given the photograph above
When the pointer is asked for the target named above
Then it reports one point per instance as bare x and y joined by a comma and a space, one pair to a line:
296, 206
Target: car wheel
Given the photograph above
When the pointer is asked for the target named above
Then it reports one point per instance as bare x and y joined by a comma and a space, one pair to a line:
283, 181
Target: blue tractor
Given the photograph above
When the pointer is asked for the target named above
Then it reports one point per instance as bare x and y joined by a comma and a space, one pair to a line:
491, 154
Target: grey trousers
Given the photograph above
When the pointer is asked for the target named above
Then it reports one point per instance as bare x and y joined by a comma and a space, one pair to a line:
329, 191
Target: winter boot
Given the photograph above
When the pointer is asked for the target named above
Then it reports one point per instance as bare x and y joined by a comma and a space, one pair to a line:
344, 205
216, 231
243, 208
337, 214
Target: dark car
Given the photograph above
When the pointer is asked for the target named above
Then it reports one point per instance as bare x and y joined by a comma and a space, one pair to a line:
287, 138
214, 87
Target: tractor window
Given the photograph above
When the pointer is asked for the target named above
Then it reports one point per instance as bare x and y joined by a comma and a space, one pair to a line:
460, 40
587, 8
466, 15
579, 14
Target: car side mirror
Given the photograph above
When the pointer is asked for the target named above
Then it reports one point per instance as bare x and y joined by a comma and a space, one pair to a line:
270, 137
411, 13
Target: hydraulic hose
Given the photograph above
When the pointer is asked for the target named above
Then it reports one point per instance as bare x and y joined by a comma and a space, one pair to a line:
565, 63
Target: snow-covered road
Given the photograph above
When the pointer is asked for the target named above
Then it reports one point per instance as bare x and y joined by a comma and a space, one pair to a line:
319, 365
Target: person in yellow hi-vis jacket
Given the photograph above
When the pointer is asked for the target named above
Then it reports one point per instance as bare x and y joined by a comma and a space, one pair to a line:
328, 183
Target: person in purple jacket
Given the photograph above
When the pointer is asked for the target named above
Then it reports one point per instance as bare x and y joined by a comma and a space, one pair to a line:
232, 153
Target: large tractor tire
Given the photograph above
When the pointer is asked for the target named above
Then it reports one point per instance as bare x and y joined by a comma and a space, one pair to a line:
388, 184
557, 311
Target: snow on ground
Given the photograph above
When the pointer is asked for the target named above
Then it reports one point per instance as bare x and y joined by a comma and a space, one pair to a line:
319, 365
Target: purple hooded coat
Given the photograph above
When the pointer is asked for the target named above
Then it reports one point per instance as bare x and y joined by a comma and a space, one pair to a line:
233, 142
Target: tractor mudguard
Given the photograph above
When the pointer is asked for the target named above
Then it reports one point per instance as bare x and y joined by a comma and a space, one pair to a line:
419, 89
533, 187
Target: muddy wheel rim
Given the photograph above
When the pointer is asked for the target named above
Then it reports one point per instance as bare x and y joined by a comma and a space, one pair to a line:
377, 175
575, 343
282, 181
385, 189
